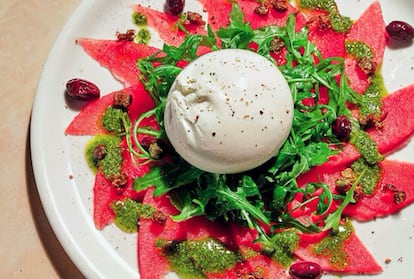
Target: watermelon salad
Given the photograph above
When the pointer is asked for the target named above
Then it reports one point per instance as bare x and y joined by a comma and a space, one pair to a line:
289, 218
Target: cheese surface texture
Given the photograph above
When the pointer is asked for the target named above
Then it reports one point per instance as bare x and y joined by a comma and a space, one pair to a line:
228, 111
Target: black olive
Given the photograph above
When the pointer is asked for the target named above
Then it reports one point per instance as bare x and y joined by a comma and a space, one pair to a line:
175, 7
400, 31
305, 270
342, 128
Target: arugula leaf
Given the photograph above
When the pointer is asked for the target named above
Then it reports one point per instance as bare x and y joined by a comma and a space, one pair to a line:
238, 34
333, 219
167, 177
240, 197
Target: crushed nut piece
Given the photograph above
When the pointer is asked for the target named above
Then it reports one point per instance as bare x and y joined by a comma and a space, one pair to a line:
128, 36
122, 99
367, 66
159, 217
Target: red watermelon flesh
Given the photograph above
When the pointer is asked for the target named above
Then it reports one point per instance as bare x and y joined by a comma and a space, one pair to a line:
105, 193
152, 263
359, 259
398, 174
166, 25
369, 29
102, 195
381, 202
88, 121
119, 57
257, 21
260, 264
394, 134
398, 124
357, 79
329, 42
217, 17
324, 41
354, 245
220, 17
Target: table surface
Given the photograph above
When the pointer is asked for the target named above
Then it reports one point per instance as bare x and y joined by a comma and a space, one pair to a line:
29, 248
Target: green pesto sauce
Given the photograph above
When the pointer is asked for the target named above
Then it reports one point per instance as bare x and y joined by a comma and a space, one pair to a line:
111, 163
143, 36
366, 146
285, 243
332, 246
327, 5
193, 259
139, 19
112, 120
371, 175
371, 100
339, 23
358, 49
128, 212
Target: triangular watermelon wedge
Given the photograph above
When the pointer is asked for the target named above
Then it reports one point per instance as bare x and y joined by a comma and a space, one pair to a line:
369, 29
88, 120
152, 264
166, 25
120, 57
393, 134
394, 192
356, 259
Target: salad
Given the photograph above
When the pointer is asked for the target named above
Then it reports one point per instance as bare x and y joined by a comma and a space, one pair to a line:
295, 210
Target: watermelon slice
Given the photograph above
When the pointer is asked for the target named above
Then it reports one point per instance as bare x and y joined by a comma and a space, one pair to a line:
220, 17
166, 25
88, 120
257, 21
356, 259
396, 177
217, 17
259, 264
329, 42
394, 192
398, 124
105, 193
119, 57
369, 29
393, 135
152, 263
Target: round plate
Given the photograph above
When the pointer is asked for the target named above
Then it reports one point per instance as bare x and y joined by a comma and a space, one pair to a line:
65, 183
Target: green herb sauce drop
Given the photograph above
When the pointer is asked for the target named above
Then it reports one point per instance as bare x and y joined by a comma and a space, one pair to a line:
332, 246
128, 212
111, 163
112, 120
366, 146
371, 175
371, 101
192, 259
285, 243
139, 19
339, 23
358, 49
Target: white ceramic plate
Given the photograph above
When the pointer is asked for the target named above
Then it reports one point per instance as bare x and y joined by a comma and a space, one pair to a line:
56, 157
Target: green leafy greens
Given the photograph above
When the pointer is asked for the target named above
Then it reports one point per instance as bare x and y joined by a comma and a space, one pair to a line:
260, 196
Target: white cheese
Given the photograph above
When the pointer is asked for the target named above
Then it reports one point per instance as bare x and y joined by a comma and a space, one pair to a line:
228, 111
